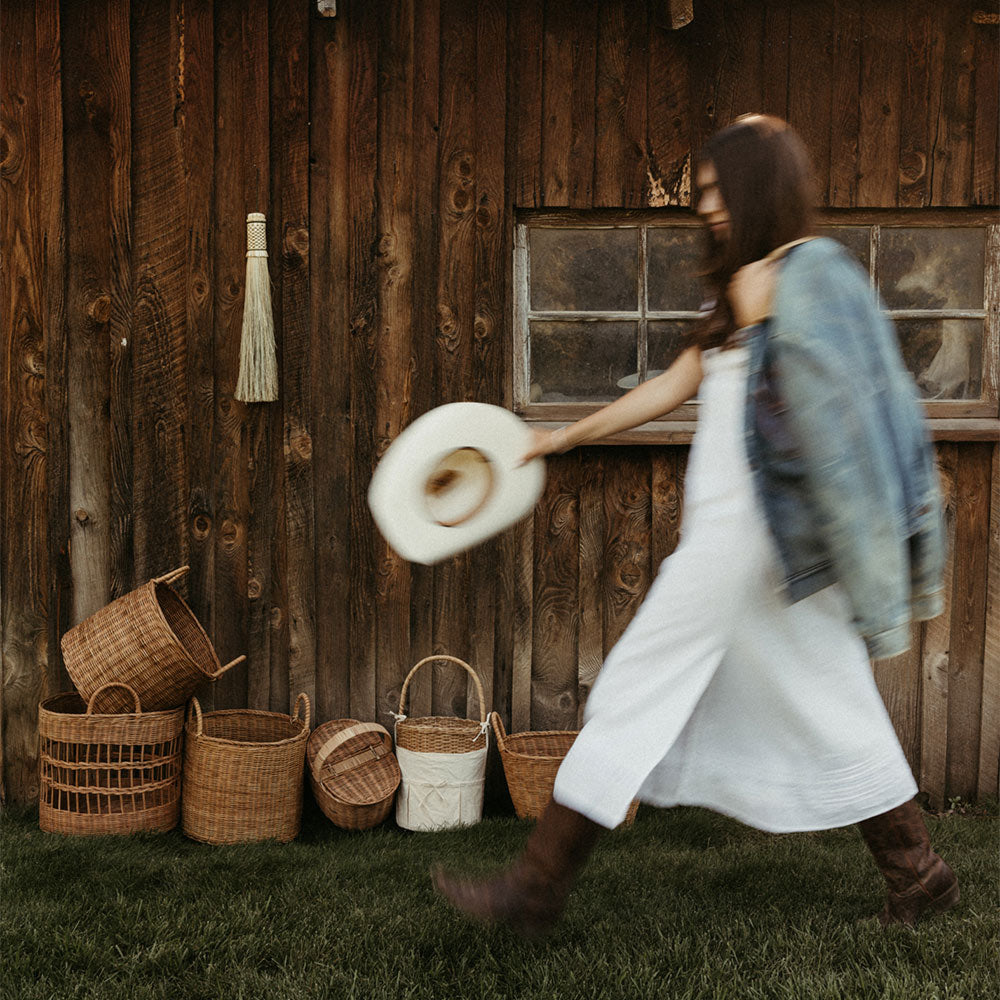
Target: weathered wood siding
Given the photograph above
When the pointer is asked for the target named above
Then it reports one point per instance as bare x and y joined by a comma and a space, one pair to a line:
390, 147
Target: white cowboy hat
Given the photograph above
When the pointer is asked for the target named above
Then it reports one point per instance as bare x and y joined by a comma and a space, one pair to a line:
452, 479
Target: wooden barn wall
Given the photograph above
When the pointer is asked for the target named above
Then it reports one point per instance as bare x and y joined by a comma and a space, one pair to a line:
389, 147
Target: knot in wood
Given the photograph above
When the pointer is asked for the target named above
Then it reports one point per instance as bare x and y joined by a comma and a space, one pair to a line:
482, 328
81, 515
254, 588
460, 200
201, 526
99, 309
230, 534
296, 244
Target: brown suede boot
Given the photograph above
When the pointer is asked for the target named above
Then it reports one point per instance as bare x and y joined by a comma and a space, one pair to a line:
919, 882
530, 896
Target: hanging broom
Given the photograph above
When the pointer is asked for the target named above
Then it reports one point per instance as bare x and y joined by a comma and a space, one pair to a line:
258, 379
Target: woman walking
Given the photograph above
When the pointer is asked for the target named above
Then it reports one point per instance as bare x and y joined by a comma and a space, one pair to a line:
812, 534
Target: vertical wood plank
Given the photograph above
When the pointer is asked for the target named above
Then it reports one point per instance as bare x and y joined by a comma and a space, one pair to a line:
197, 115
24, 570
778, 57
159, 344
330, 357
395, 358
810, 93
583, 136
490, 323
845, 107
627, 511
667, 503
362, 213
294, 668
989, 743
968, 618
52, 225
426, 235
554, 639
590, 643
935, 651
237, 185
922, 53
986, 128
557, 101
670, 110
454, 330
524, 622
881, 97
96, 115
951, 181
525, 40
898, 680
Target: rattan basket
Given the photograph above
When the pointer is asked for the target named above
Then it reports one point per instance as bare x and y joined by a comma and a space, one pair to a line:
440, 733
353, 772
243, 774
108, 773
530, 762
150, 640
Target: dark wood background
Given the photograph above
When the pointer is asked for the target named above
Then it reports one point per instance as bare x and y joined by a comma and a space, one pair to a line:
390, 147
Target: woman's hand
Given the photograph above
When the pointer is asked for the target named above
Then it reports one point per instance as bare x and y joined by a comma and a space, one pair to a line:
545, 443
751, 292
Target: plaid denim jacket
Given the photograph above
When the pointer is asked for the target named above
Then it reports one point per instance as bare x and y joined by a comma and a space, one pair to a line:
839, 451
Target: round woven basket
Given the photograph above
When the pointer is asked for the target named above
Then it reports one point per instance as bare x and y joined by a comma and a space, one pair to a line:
108, 773
530, 762
353, 772
440, 733
243, 774
148, 639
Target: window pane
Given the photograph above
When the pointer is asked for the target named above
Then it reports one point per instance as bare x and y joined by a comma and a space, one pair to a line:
584, 269
855, 238
580, 361
944, 355
932, 268
673, 257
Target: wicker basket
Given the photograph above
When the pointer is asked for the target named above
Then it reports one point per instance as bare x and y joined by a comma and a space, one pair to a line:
530, 762
150, 640
440, 733
353, 772
243, 774
101, 773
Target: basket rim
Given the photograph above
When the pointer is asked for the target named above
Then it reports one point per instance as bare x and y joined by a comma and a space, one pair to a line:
507, 750
158, 582
190, 732
162, 713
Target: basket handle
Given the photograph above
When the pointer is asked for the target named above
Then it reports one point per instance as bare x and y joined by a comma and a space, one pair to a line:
232, 663
499, 731
172, 576
453, 659
303, 697
197, 711
338, 739
114, 684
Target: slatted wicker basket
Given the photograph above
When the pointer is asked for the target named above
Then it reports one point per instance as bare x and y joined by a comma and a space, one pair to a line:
243, 774
353, 772
150, 640
108, 773
530, 762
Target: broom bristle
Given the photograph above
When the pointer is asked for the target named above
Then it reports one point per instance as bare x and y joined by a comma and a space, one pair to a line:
258, 378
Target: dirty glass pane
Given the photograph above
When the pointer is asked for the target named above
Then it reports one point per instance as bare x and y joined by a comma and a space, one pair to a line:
672, 260
944, 355
932, 268
584, 269
580, 361
855, 238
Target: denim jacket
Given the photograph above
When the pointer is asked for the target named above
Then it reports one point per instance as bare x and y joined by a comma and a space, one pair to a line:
837, 443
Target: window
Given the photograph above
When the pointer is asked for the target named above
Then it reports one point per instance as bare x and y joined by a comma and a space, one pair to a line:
603, 300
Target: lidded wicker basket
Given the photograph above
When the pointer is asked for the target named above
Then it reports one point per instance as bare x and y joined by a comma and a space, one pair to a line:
530, 762
148, 639
243, 774
108, 773
353, 772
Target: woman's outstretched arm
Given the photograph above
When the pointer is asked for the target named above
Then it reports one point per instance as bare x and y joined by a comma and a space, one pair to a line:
645, 402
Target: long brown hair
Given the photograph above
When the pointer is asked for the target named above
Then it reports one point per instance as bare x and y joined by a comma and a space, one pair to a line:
766, 182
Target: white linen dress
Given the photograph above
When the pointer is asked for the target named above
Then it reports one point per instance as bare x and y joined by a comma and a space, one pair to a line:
722, 694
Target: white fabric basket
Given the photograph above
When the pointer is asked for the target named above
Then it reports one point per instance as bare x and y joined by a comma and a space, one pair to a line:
440, 791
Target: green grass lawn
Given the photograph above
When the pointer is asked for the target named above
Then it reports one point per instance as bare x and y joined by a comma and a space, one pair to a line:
685, 904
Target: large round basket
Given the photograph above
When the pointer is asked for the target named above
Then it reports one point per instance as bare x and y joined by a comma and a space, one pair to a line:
530, 762
442, 761
353, 772
243, 774
150, 640
108, 773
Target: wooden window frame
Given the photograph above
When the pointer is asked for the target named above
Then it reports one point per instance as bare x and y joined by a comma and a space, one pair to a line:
952, 420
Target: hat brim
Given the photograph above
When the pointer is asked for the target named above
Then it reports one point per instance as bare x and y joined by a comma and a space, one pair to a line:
396, 495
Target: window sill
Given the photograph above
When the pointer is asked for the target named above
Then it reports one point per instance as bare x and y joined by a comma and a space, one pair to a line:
682, 431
